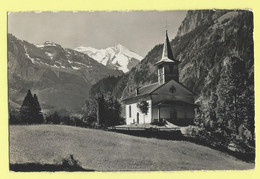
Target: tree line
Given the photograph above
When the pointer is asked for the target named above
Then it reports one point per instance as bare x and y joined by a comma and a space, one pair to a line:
101, 111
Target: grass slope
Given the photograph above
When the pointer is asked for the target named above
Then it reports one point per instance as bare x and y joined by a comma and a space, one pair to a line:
108, 151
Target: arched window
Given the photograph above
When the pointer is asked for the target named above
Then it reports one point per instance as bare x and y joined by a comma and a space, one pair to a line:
130, 112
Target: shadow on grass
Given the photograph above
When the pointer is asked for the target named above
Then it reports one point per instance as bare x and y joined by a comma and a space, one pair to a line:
38, 167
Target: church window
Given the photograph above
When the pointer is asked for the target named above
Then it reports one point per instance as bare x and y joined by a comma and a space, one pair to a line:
160, 71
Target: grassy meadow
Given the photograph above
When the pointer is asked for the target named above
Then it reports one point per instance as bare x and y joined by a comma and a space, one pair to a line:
108, 151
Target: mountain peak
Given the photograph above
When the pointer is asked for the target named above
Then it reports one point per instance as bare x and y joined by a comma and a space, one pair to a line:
117, 57
83, 48
49, 43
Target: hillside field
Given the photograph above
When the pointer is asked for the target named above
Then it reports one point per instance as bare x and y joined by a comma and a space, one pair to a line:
108, 151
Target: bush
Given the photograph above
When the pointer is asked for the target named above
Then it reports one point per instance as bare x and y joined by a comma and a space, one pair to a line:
65, 164
69, 162
192, 131
143, 106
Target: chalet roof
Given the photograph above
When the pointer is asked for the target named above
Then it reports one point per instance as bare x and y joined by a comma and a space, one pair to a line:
167, 55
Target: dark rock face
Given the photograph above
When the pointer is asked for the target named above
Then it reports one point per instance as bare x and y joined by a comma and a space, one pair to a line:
60, 77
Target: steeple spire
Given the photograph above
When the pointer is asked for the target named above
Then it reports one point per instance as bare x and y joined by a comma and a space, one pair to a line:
166, 27
167, 55
167, 49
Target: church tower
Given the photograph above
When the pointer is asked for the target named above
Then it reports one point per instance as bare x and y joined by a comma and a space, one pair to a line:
167, 66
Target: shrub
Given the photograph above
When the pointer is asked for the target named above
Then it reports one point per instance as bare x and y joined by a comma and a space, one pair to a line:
143, 106
68, 163
191, 131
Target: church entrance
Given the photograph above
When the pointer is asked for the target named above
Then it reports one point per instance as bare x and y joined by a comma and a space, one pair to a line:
137, 117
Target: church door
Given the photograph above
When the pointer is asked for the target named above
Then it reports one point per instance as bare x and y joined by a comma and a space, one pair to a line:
137, 117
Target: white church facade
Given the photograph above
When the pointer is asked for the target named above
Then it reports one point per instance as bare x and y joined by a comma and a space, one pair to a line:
167, 99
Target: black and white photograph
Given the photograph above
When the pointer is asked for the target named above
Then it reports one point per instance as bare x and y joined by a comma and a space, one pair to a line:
106, 91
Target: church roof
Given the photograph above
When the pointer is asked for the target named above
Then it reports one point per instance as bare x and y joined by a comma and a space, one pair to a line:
149, 89
167, 55
144, 90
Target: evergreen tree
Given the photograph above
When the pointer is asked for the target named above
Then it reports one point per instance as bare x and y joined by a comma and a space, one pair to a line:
236, 111
247, 125
112, 111
213, 110
26, 111
14, 117
30, 111
104, 109
232, 88
38, 117
100, 108
90, 113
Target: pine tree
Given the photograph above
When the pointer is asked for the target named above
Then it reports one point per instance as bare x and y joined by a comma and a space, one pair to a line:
30, 111
100, 108
38, 117
26, 110
112, 111
213, 109
104, 109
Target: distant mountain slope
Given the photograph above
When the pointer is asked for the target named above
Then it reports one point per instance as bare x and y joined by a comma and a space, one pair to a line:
60, 77
118, 57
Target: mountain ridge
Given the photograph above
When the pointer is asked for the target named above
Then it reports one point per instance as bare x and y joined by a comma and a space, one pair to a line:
61, 77
117, 57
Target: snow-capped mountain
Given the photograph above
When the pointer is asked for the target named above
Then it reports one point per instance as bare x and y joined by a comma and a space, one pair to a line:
118, 57
60, 77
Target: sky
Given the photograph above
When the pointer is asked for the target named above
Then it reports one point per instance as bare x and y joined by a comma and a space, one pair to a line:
139, 31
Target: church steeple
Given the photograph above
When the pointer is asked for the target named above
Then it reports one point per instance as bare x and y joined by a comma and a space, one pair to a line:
167, 66
167, 50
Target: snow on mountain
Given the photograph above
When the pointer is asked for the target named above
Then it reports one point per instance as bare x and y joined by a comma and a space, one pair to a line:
61, 77
118, 57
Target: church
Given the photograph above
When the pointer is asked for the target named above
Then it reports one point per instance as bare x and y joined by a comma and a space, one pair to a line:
166, 100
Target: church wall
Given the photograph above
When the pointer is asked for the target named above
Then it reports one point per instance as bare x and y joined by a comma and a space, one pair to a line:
143, 118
